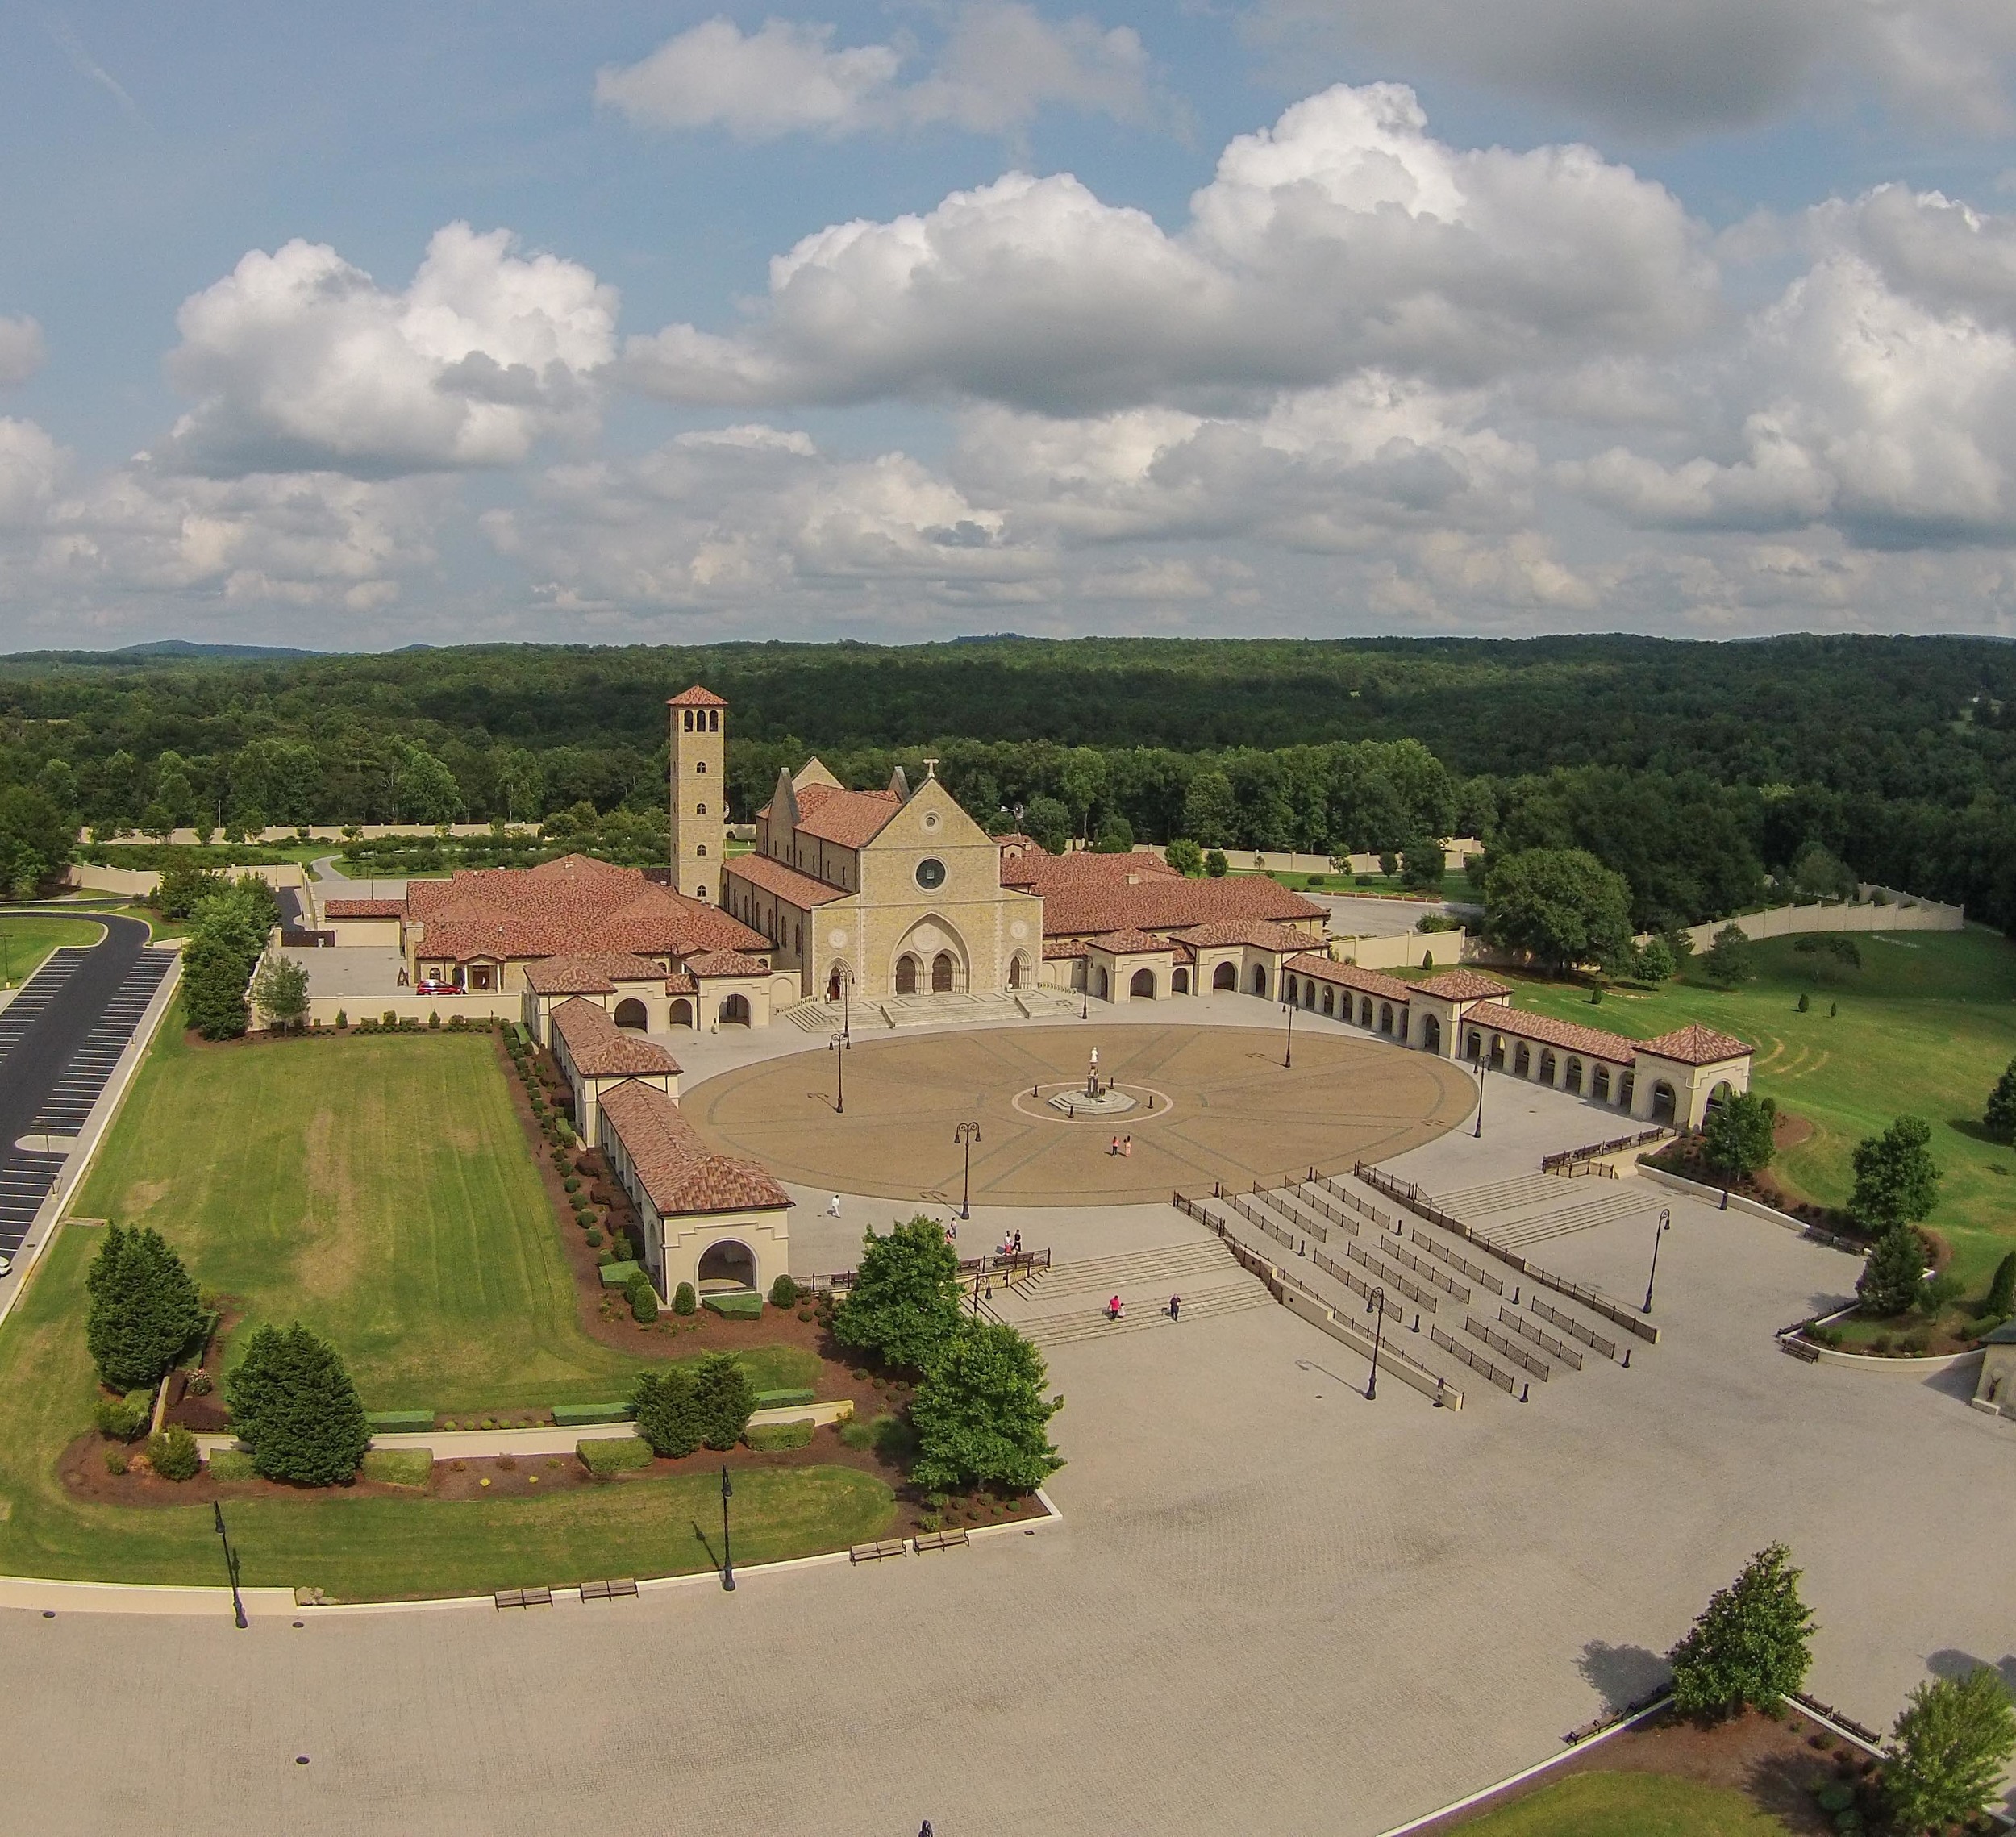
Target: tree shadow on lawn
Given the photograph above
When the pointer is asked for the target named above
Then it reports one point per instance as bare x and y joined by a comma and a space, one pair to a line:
1976, 1131
1621, 1675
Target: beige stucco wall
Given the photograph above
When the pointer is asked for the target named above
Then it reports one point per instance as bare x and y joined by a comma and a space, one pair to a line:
1996, 1386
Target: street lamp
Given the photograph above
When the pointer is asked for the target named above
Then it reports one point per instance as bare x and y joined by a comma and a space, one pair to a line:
842, 1046
968, 1133
843, 974
1288, 1056
1377, 1299
231, 1567
1665, 1225
727, 1559
1085, 992
1477, 1133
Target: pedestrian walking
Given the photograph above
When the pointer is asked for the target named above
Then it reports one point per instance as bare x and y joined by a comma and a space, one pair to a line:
1113, 1309
1127, 1146
1176, 1307
833, 1207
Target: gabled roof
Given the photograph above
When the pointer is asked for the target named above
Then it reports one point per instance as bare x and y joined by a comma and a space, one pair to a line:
1129, 943
1262, 934
850, 819
1460, 985
682, 1175
802, 890
1695, 1045
1349, 976
600, 1049
1144, 895
1042, 871
590, 973
726, 963
363, 908
696, 697
1570, 1036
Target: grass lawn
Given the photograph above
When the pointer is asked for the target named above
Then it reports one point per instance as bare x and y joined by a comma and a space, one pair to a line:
380, 1190
1926, 1025
1628, 1804
28, 939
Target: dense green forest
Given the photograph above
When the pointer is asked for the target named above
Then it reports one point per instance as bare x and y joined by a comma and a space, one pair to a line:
1695, 770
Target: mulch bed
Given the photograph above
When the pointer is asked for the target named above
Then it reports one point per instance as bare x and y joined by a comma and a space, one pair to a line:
1777, 1763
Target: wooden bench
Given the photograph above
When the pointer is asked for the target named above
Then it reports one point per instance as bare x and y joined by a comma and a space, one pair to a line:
523, 1597
875, 1552
1800, 1349
610, 1590
940, 1539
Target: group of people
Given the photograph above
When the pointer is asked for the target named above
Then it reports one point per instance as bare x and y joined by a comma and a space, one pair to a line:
1122, 1145
1117, 1309
1011, 1244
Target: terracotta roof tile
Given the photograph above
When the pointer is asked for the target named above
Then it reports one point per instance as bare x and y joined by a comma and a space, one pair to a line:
675, 1166
1166, 902
696, 697
794, 888
1571, 1036
1129, 943
679, 983
1460, 985
600, 1049
1056, 950
363, 908
1697, 1045
1081, 868
1349, 976
590, 973
727, 963
1262, 934
848, 819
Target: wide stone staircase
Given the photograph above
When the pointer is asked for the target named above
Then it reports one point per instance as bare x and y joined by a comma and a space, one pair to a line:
1067, 1302
1529, 1209
872, 1014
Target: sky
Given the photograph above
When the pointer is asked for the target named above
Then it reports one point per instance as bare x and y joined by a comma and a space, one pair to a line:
356, 327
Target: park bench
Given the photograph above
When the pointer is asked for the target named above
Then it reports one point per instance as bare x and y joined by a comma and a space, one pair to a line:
523, 1597
610, 1590
951, 1539
875, 1552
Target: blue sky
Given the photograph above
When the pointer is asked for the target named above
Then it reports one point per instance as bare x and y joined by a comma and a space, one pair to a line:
1322, 316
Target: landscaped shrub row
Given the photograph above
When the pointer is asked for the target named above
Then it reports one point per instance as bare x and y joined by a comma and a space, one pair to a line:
616, 1454
770, 1437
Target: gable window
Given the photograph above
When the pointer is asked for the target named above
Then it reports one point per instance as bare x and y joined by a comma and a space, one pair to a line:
699, 809
700, 765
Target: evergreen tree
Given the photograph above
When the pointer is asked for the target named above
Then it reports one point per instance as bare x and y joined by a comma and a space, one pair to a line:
904, 1304
2002, 1290
2000, 1117
1736, 1138
280, 990
144, 1308
1729, 959
1184, 856
292, 1402
663, 1403
1891, 1278
1895, 1179
980, 1414
1749, 1647
1947, 1752
723, 1401
1653, 961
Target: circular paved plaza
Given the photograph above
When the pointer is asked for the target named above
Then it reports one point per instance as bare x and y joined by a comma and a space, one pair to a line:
1209, 1104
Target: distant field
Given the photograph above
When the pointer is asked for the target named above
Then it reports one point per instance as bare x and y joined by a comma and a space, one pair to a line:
1926, 1025
24, 942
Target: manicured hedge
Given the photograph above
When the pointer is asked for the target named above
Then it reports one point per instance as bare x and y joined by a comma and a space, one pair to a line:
618, 1275
400, 1422
619, 1454
579, 1415
735, 1307
765, 1437
777, 1399
232, 1463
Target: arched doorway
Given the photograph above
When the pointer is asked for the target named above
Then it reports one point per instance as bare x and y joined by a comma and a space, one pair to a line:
734, 1010
630, 1016
1330, 997
1141, 985
1547, 1067
1474, 1050
726, 1265
1260, 979
1574, 1080
906, 974
1225, 977
1522, 1061
1385, 1018
833, 985
942, 973
682, 1013
1309, 994
1497, 1052
1014, 972
1626, 1083
1179, 982
1364, 1013
1430, 1032
1665, 1103
1718, 1095
1291, 986
1600, 1085
1101, 983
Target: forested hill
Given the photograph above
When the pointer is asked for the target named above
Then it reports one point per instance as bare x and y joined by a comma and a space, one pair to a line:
1692, 767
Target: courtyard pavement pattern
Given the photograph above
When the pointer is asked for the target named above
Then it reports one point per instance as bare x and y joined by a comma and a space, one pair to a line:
1271, 1604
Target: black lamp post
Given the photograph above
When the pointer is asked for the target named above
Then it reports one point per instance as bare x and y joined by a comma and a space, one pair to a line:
1085, 992
1477, 1133
231, 1567
842, 1046
968, 1133
1377, 1300
844, 971
1288, 1054
1665, 1225
727, 1558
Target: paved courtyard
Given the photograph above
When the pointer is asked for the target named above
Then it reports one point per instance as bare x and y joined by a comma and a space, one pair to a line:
1272, 1605
1211, 1103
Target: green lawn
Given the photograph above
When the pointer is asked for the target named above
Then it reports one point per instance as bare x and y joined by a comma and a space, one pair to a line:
1628, 1804
29, 939
380, 1190
1926, 1026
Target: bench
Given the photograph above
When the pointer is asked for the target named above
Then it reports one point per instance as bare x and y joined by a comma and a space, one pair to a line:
523, 1597
941, 1540
612, 1591
1802, 1350
875, 1552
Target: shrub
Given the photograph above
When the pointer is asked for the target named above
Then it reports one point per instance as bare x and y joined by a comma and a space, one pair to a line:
616, 1454
1805, 1002
199, 1384
295, 1407
458, 1024
723, 1401
1216, 867
399, 1467
783, 1292
123, 1418
594, 1238
232, 1463
389, 1018
172, 1453
571, 1183
343, 1019
434, 1019
772, 1437
2002, 1290
144, 1308
644, 1298
856, 1433
663, 1404
684, 1301
779, 1399
115, 1461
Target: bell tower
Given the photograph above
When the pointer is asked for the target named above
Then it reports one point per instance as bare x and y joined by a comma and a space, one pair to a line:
699, 792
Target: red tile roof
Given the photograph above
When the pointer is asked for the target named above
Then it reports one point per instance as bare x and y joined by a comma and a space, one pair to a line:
600, 1049
564, 908
675, 1166
1054, 951
1460, 985
848, 819
1084, 904
363, 908
1697, 1045
727, 963
1129, 943
1262, 934
793, 887
1041, 872
1349, 976
696, 697
1014, 838
1571, 1036
590, 973
679, 983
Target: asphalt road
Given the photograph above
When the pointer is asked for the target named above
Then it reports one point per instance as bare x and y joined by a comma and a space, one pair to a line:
59, 1038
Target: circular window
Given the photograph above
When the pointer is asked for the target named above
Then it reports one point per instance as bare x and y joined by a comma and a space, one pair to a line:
931, 873
931, 819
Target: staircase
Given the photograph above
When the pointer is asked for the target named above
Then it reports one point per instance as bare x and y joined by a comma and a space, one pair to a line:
1067, 1302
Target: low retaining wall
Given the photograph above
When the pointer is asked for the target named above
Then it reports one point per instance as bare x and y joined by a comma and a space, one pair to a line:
1738, 1202
1404, 950
497, 1005
1318, 1315
138, 883
1904, 913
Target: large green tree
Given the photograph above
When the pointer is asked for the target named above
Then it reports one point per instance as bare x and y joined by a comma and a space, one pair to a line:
1211, 814
144, 1308
1751, 1647
1736, 1138
723, 1401
1728, 960
1999, 1117
663, 1404
980, 1414
1946, 1754
1561, 907
904, 1304
1895, 1179
293, 1404
1893, 1272
280, 990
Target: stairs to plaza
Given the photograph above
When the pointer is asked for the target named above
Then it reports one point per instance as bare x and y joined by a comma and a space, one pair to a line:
1067, 1302
1530, 1209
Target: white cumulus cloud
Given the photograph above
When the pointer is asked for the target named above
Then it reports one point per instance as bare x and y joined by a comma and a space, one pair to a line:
23, 349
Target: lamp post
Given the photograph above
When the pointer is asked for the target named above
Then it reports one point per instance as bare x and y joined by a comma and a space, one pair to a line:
1288, 1054
968, 1133
231, 1567
1085, 992
842, 1046
1665, 1225
727, 1558
1477, 1133
843, 973
1377, 1300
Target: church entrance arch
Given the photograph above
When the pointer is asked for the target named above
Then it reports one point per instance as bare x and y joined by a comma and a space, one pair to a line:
630, 1016
1015, 971
727, 1265
906, 974
938, 959
735, 1011
942, 968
